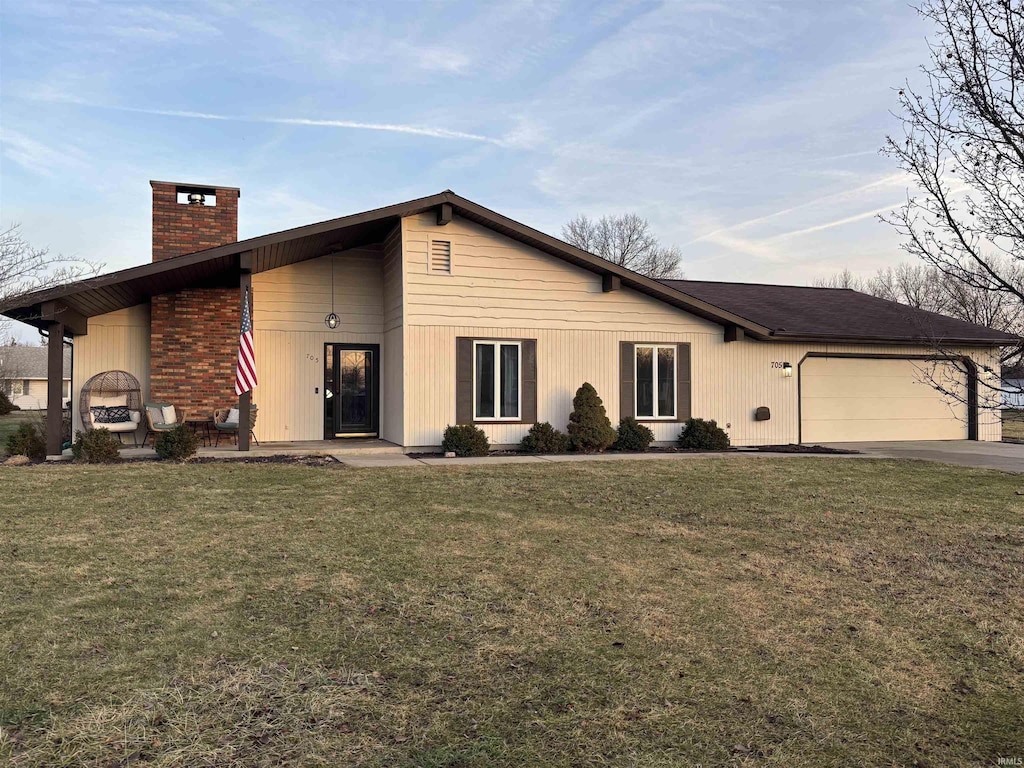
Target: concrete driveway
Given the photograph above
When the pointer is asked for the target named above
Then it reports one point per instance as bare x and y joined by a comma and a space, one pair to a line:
1008, 457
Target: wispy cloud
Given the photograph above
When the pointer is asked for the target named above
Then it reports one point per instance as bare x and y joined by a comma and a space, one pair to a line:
37, 157
891, 179
415, 130
839, 222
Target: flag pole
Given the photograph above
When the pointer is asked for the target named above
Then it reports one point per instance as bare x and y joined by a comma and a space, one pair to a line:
244, 399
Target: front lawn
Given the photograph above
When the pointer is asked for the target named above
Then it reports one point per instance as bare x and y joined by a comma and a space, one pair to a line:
782, 612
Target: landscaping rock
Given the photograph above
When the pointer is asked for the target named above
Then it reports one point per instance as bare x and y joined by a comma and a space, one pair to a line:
17, 461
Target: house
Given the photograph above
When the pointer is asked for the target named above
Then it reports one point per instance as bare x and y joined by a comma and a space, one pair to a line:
399, 321
23, 376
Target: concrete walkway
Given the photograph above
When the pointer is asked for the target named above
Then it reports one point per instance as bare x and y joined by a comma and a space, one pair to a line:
1008, 457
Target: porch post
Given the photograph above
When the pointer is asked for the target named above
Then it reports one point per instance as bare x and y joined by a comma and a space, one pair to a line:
244, 399
54, 389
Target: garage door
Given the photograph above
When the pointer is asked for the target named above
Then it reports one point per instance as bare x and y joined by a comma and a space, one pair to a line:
853, 399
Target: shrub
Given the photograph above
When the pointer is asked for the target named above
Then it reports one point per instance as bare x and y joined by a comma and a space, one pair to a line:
633, 436
589, 427
543, 438
27, 440
6, 406
176, 444
701, 435
465, 440
96, 446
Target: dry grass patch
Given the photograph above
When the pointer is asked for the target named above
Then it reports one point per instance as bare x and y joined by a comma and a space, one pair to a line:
795, 612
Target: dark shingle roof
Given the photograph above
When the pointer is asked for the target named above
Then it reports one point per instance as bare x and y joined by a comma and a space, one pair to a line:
790, 310
24, 362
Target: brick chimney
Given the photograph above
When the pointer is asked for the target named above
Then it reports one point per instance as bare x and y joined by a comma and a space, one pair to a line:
193, 331
192, 217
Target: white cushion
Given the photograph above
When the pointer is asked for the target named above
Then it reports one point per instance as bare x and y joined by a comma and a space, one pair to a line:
120, 426
135, 416
232, 416
169, 416
156, 414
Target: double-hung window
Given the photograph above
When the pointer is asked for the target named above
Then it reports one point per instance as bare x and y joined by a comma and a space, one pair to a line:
655, 381
497, 380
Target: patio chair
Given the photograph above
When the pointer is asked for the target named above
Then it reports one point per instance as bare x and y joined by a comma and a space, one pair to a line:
157, 417
224, 426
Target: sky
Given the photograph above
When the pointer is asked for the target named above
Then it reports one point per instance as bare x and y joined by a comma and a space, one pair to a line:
747, 133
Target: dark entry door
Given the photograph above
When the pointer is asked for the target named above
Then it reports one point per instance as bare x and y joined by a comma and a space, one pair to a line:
351, 390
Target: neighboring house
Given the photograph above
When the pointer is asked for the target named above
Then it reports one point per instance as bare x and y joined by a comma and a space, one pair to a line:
23, 376
448, 312
1013, 394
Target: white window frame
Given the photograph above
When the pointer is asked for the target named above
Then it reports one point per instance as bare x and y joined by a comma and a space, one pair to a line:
654, 363
498, 344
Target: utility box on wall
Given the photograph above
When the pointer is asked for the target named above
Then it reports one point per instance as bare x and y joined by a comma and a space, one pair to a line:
762, 413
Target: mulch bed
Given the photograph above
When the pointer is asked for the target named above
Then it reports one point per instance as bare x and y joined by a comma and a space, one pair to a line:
794, 448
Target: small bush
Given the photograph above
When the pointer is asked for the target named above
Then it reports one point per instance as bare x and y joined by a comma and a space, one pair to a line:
543, 438
633, 436
176, 444
701, 435
465, 440
6, 406
589, 427
96, 446
27, 440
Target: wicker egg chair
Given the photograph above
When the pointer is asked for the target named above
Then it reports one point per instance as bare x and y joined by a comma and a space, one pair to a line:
112, 388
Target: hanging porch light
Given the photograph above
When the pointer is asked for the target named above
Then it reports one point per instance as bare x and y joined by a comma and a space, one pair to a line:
332, 321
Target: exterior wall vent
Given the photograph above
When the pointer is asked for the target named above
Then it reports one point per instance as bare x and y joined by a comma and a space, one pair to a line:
441, 256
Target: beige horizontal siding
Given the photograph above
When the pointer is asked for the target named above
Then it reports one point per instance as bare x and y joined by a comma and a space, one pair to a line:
729, 381
116, 341
393, 363
298, 297
497, 281
289, 307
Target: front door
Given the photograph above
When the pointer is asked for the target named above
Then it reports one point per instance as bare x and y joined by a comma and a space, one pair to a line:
351, 390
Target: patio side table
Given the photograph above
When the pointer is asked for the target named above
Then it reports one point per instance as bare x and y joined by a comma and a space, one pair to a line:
201, 427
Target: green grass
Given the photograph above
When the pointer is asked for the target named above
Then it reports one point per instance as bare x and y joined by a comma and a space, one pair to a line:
11, 422
1013, 424
779, 612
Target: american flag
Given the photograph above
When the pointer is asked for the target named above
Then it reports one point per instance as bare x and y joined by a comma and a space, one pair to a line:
245, 371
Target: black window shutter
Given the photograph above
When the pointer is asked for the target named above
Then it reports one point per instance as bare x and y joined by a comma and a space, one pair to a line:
627, 377
463, 381
683, 389
529, 363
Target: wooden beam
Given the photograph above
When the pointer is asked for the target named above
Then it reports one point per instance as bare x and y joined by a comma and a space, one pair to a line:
610, 282
733, 333
73, 322
444, 214
246, 262
55, 390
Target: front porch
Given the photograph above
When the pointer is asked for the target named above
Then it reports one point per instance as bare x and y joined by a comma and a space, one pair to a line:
340, 449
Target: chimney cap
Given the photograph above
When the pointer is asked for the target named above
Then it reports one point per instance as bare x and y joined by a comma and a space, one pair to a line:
185, 186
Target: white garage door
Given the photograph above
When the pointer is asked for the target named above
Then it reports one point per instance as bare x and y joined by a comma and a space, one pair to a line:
854, 399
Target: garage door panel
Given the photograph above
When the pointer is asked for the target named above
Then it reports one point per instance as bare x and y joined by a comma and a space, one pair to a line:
847, 431
880, 408
865, 399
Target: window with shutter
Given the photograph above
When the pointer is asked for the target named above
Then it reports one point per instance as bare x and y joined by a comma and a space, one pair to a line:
441, 256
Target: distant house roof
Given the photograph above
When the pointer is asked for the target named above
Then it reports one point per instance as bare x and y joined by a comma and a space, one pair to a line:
763, 312
791, 311
24, 362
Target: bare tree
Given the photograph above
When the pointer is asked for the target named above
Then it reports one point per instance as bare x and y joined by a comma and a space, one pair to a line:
26, 268
625, 240
963, 145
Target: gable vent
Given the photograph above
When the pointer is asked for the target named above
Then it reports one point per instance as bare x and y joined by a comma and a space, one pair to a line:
441, 256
